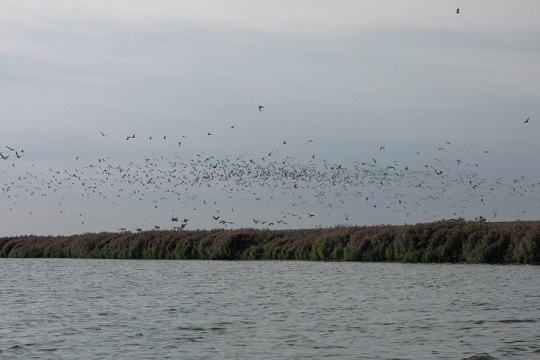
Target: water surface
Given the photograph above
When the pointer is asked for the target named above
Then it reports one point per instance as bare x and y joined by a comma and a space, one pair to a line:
103, 309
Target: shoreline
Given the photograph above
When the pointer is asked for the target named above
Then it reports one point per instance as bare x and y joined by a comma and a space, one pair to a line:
445, 241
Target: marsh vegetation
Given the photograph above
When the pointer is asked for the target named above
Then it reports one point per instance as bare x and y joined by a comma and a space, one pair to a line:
451, 241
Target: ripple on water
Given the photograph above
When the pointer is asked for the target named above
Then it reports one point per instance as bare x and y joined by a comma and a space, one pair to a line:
96, 309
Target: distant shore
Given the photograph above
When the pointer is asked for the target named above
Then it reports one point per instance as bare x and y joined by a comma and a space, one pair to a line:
447, 241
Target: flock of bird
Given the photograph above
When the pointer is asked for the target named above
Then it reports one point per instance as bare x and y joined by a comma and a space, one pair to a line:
270, 190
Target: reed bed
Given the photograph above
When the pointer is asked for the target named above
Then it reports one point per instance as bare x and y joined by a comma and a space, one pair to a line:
447, 241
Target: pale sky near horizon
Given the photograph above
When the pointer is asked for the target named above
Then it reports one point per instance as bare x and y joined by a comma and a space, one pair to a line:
374, 113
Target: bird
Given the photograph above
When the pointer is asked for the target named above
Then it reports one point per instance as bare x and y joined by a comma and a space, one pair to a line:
526, 121
102, 134
261, 107
457, 11
382, 148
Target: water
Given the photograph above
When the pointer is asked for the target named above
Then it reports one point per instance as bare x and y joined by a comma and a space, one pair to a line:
100, 309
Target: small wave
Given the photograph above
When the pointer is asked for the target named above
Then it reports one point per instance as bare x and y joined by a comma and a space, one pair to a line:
190, 328
480, 357
517, 321
49, 349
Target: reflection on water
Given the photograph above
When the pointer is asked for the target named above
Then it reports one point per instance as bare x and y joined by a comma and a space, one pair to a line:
98, 309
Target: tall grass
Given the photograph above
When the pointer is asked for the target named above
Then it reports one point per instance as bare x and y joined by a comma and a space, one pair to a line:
454, 241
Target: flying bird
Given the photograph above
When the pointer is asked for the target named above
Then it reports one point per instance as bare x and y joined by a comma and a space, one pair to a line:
526, 121
261, 107
457, 11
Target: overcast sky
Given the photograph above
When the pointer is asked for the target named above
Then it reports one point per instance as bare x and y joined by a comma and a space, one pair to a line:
375, 112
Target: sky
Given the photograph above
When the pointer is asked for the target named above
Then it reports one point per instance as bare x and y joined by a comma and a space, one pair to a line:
394, 112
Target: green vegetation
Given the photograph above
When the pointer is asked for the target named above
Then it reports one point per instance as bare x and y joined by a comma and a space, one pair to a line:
450, 241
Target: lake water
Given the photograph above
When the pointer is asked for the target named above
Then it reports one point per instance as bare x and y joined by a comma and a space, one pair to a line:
101, 309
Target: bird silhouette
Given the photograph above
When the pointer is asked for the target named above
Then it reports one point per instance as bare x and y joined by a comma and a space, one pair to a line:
526, 121
261, 107
457, 11
278, 174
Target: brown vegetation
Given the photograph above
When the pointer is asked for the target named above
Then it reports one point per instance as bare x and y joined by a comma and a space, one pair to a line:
453, 241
